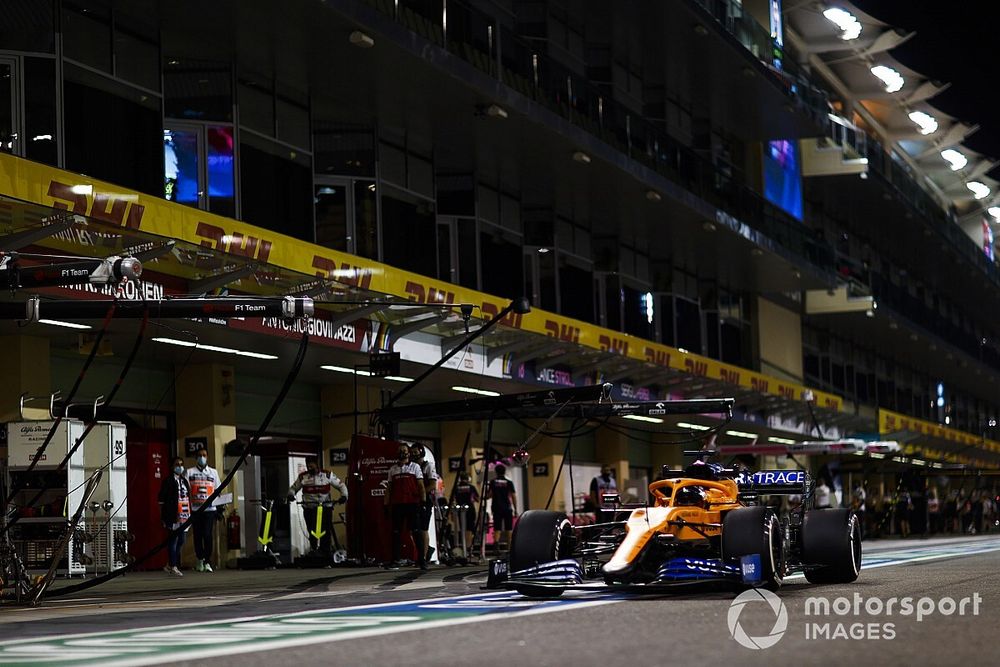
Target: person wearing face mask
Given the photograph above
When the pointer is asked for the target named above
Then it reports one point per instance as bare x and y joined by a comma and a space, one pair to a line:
316, 485
403, 497
175, 509
204, 480
603, 483
418, 456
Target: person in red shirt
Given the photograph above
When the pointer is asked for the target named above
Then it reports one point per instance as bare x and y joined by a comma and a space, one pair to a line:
404, 495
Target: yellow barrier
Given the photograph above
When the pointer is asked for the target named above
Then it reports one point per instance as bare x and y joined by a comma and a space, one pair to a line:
40, 184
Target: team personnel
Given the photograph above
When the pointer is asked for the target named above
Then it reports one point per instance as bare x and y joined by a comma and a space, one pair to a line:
417, 455
175, 509
204, 480
466, 497
403, 497
504, 501
601, 484
316, 486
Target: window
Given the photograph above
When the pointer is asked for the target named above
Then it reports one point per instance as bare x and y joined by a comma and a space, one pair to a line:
576, 291
41, 141
332, 222
198, 90
113, 131
503, 267
276, 188
408, 233
365, 219
198, 166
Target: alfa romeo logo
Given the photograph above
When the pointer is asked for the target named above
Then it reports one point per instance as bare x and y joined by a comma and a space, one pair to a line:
773, 602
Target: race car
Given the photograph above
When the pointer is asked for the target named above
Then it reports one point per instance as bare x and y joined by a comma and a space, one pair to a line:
706, 524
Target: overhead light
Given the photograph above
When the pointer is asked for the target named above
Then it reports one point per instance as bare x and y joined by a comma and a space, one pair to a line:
214, 348
68, 325
398, 378
994, 211
694, 427
542, 251
653, 195
876, 455
648, 299
496, 111
361, 40
925, 121
859, 453
473, 390
892, 79
781, 441
343, 369
978, 190
849, 25
741, 434
644, 418
954, 158
918, 462
42, 137
683, 350
580, 156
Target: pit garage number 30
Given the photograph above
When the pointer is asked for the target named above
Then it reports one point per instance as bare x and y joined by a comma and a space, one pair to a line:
706, 524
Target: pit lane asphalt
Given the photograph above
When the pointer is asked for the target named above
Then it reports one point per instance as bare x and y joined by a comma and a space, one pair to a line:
641, 630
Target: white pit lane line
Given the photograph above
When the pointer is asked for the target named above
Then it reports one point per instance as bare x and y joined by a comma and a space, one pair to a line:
161, 644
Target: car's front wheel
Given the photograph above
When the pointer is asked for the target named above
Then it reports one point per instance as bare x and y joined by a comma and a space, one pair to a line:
749, 531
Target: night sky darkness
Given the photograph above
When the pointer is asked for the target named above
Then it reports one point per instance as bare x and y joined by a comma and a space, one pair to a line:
956, 41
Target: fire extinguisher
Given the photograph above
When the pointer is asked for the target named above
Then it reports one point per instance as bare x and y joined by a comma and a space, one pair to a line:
233, 538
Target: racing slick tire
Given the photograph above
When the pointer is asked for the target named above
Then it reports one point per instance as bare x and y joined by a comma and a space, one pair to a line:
540, 536
755, 530
831, 538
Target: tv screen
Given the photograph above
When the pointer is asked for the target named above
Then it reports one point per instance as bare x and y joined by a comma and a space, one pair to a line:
782, 180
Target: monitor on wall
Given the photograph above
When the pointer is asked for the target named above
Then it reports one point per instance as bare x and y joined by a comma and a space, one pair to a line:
782, 178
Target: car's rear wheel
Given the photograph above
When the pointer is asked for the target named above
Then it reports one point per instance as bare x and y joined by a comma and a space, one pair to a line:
831, 538
755, 530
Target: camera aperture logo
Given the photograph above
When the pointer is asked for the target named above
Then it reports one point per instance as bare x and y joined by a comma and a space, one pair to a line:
847, 618
773, 602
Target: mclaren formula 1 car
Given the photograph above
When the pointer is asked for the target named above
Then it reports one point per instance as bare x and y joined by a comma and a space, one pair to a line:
705, 524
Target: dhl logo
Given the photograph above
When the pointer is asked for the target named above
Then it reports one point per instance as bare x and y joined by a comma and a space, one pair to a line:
786, 392
564, 332
345, 273
119, 210
424, 294
491, 310
759, 384
616, 345
235, 244
730, 376
696, 367
658, 357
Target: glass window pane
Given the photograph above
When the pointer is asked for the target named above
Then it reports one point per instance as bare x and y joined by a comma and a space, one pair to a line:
444, 253
87, 35
180, 166
137, 59
7, 129
221, 189
408, 239
27, 25
276, 189
331, 216
41, 142
365, 219
198, 89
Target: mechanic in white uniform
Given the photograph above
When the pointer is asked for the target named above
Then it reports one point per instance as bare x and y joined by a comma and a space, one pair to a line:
316, 486
418, 456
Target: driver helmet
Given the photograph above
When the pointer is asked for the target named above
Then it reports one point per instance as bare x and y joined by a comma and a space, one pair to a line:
690, 495
702, 470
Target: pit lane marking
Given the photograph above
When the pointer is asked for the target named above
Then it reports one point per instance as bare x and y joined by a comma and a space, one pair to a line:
892, 557
170, 643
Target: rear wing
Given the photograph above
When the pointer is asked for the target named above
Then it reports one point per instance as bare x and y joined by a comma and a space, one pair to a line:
774, 482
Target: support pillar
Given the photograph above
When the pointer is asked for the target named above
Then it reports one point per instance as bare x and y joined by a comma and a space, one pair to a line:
205, 400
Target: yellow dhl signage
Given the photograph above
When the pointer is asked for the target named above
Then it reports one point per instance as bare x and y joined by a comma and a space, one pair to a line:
125, 208
891, 422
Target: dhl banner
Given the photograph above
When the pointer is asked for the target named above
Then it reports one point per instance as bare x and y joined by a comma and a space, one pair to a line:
41, 184
891, 422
